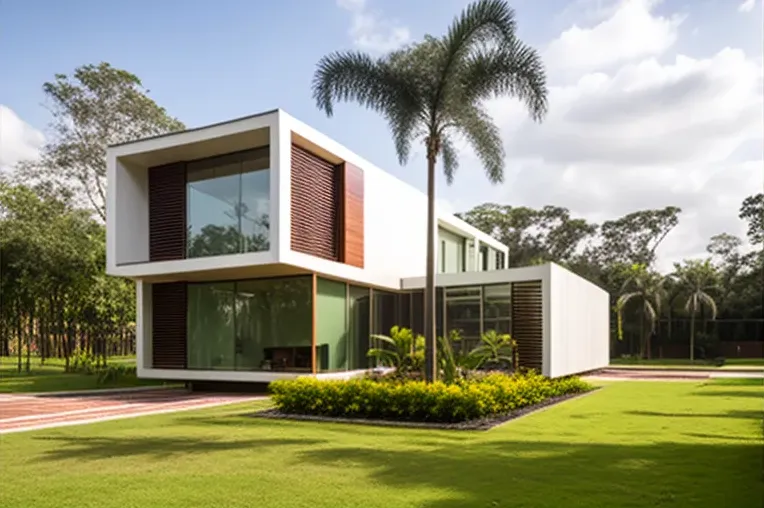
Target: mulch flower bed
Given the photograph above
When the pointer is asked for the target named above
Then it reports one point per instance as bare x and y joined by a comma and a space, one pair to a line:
479, 424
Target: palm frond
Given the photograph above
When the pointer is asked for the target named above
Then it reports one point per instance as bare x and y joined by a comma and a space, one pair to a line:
626, 298
650, 312
710, 303
481, 132
480, 22
385, 339
374, 84
450, 159
515, 69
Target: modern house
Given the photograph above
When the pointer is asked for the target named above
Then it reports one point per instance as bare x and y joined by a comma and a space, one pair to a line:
261, 250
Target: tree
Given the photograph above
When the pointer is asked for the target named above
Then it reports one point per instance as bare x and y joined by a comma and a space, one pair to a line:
696, 278
434, 91
548, 234
97, 106
752, 211
635, 237
646, 287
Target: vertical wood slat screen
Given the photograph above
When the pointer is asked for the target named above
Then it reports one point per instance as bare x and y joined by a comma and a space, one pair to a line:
168, 325
352, 238
167, 212
315, 205
527, 319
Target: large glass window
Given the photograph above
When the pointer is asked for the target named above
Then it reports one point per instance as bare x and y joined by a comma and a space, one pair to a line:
211, 326
261, 324
497, 309
359, 326
463, 313
228, 204
332, 344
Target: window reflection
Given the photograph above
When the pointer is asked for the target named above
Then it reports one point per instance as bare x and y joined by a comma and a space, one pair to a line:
463, 314
497, 308
251, 325
228, 204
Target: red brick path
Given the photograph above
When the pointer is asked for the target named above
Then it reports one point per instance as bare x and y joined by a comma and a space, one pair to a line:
29, 412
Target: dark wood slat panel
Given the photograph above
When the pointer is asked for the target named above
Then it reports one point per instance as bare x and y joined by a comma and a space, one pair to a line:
167, 212
315, 205
168, 325
527, 322
352, 238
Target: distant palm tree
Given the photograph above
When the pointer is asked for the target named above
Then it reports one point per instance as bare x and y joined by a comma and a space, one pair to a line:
434, 91
647, 288
696, 278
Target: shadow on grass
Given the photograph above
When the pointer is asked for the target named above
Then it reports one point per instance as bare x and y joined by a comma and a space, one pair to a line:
722, 437
732, 393
757, 415
425, 437
95, 448
556, 474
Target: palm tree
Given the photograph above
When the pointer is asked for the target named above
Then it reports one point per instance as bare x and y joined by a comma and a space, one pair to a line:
696, 278
434, 91
647, 288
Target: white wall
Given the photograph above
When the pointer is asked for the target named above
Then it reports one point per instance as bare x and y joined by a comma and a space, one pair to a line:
579, 321
395, 220
127, 212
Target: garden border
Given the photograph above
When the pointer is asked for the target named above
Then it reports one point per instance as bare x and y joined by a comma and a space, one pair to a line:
478, 424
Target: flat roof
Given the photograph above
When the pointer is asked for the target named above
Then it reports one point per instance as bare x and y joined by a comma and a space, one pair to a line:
201, 127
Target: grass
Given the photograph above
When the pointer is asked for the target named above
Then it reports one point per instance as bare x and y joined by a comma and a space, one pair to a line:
630, 445
52, 378
684, 363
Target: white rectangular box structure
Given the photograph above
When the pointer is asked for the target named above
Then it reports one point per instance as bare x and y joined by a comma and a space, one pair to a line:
262, 250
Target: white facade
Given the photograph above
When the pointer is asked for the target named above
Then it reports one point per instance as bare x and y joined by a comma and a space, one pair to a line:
389, 205
575, 314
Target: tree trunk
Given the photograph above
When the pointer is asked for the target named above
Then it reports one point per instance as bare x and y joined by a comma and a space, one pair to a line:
18, 332
30, 337
431, 370
692, 336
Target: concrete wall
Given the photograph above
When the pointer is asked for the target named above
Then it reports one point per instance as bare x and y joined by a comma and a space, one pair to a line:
579, 324
394, 212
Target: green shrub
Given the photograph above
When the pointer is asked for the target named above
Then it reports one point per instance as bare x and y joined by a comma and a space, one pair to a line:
465, 399
82, 362
113, 373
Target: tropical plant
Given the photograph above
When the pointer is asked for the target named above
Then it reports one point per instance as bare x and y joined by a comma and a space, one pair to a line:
697, 278
646, 287
453, 360
434, 91
402, 350
494, 350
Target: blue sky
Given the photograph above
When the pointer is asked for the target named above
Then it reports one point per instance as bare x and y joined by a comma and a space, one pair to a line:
210, 61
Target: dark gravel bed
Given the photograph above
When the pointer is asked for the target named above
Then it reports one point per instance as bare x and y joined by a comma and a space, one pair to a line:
479, 424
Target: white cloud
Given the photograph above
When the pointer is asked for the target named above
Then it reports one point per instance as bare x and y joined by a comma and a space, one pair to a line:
18, 140
370, 31
646, 133
747, 6
631, 32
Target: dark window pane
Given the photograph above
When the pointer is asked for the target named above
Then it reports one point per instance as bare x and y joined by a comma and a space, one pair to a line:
358, 326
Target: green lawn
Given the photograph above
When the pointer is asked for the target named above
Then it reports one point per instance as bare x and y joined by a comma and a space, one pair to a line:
679, 363
52, 378
638, 444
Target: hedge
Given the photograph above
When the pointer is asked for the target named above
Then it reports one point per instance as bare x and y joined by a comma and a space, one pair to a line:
491, 395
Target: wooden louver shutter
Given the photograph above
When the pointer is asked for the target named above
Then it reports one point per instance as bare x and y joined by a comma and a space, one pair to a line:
527, 319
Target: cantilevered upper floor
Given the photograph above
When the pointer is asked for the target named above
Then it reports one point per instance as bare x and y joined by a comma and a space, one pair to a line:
266, 195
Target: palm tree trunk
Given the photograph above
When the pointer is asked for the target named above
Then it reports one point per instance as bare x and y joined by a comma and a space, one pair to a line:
430, 369
692, 336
